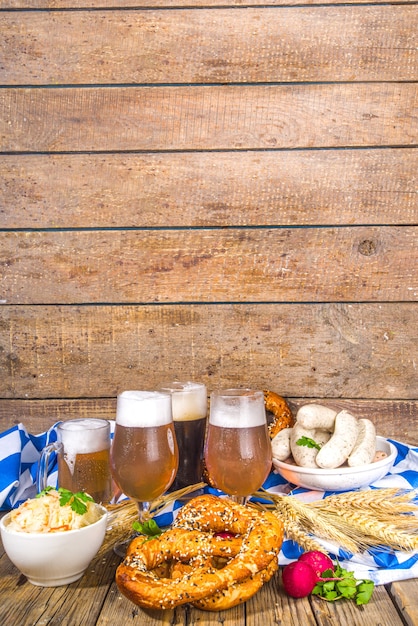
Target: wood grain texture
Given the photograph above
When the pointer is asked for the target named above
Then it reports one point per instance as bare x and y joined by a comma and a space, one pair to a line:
227, 45
244, 265
96, 600
403, 595
208, 117
116, 608
316, 187
328, 613
328, 350
113, 4
79, 603
270, 607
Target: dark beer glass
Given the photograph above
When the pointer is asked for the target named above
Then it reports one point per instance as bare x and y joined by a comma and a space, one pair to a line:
189, 405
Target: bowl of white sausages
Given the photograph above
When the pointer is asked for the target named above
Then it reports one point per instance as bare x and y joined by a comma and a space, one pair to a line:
330, 450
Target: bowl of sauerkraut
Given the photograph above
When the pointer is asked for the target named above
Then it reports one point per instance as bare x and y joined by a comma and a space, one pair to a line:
53, 538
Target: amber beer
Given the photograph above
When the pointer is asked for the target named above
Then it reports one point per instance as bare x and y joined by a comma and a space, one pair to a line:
144, 451
84, 457
238, 448
238, 460
189, 402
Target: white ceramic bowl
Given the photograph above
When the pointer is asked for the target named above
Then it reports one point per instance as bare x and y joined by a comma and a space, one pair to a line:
53, 559
341, 478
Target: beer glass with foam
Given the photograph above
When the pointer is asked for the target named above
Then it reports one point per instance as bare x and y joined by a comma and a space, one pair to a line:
189, 402
144, 455
83, 452
238, 447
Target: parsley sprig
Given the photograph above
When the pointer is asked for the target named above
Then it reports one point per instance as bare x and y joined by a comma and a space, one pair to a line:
308, 442
341, 583
149, 528
77, 501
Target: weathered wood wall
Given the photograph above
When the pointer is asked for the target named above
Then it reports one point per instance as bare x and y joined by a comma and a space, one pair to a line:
210, 190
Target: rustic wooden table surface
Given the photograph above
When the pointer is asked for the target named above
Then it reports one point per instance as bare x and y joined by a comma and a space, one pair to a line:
95, 599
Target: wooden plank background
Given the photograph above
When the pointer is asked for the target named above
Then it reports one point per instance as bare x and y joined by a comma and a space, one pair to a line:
213, 191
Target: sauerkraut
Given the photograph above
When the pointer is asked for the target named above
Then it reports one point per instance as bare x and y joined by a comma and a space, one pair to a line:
45, 514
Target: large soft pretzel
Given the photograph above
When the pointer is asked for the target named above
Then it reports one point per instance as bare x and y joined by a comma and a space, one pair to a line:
190, 564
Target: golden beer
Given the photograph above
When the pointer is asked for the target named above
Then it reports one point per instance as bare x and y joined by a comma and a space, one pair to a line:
238, 448
238, 459
84, 457
143, 460
87, 472
144, 455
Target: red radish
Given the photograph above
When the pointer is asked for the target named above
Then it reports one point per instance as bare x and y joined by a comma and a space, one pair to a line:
299, 579
318, 560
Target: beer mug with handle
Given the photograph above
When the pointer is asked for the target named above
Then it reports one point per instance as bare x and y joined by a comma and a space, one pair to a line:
83, 452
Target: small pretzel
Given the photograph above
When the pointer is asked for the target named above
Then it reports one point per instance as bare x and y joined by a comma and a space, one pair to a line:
190, 564
282, 415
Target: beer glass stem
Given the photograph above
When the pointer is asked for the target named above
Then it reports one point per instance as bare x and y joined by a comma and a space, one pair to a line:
143, 511
121, 547
239, 499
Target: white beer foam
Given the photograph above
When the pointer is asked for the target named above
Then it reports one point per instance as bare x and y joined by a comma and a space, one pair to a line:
141, 409
189, 401
81, 436
247, 414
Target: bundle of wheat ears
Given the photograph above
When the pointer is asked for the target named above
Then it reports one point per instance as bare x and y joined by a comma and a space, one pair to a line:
355, 520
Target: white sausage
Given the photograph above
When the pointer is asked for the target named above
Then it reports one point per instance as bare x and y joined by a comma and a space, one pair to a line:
280, 445
302, 455
336, 451
322, 436
316, 416
365, 446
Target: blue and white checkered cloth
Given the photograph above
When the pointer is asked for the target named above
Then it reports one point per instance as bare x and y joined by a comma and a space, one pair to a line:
19, 457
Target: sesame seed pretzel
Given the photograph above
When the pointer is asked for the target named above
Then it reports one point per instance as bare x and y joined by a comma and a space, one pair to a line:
190, 563
282, 414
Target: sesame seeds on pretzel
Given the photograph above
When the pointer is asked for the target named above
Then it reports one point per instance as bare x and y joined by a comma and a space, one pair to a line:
190, 563
282, 414
238, 592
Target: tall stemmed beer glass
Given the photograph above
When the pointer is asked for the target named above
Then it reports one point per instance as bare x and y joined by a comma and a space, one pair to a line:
144, 455
238, 447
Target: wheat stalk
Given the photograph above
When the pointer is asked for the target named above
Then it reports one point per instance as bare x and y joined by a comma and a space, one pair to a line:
355, 520
294, 532
392, 500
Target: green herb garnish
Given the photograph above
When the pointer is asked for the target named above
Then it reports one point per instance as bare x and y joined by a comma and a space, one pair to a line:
308, 442
149, 528
44, 492
77, 501
341, 583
